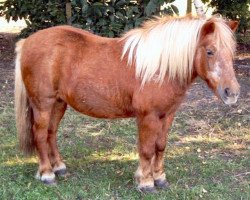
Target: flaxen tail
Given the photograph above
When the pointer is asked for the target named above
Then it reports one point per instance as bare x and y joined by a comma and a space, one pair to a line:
23, 111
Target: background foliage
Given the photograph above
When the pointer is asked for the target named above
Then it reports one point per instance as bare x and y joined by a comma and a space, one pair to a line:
109, 17
104, 17
234, 9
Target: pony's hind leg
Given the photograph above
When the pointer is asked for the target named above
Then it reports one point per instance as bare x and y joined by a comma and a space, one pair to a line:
158, 160
42, 114
149, 127
59, 168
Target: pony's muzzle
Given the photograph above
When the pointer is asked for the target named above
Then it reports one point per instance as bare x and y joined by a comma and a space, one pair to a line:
229, 95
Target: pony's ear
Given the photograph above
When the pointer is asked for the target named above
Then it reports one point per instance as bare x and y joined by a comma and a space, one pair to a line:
233, 25
207, 28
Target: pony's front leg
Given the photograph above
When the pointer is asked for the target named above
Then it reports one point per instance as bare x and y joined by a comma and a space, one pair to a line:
149, 127
158, 160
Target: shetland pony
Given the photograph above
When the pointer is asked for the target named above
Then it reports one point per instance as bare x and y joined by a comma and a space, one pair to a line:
144, 74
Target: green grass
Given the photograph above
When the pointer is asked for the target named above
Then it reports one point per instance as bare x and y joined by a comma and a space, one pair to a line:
207, 157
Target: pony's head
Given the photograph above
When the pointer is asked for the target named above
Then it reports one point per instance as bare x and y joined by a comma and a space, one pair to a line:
213, 60
172, 48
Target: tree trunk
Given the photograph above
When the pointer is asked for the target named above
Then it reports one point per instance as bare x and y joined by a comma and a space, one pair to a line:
189, 6
68, 12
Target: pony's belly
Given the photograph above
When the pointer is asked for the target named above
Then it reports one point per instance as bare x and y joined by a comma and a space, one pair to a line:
102, 112
100, 101
99, 108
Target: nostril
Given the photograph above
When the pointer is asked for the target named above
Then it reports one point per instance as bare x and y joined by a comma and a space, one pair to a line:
227, 92
230, 93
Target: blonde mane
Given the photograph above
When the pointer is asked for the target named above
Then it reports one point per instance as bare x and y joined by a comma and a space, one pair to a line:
167, 46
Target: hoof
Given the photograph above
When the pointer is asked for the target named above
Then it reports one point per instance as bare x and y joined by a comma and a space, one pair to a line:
162, 184
49, 182
147, 189
47, 178
61, 172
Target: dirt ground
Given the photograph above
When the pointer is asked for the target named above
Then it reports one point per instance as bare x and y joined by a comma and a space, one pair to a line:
199, 95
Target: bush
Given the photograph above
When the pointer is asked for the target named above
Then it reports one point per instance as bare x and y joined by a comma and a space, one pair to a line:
106, 18
38, 14
233, 9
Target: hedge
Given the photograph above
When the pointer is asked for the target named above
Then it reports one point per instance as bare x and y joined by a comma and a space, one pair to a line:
107, 18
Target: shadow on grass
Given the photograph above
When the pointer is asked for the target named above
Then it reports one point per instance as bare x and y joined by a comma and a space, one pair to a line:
96, 178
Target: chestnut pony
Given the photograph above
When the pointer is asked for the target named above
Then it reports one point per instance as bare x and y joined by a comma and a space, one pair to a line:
144, 74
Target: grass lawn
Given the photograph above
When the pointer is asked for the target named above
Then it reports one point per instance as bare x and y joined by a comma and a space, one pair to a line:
206, 157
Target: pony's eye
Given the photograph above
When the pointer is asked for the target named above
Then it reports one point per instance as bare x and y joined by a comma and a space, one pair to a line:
210, 52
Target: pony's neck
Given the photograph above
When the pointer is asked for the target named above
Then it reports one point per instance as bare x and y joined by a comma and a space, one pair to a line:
163, 47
